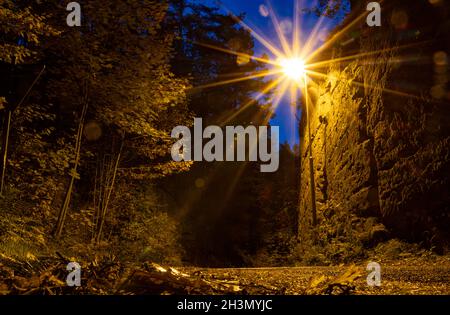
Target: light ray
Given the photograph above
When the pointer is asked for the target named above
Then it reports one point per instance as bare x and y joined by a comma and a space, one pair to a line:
236, 80
258, 37
296, 34
276, 23
232, 52
360, 55
359, 84
293, 94
266, 89
335, 37
282, 90
309, 46
232, 186
287, 78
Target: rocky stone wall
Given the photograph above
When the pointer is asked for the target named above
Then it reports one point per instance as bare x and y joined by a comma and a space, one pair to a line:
377, 153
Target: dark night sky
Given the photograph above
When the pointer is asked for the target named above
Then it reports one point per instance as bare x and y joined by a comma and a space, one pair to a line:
284, 10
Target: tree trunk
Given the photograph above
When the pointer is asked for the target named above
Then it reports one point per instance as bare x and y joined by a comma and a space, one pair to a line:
73, 174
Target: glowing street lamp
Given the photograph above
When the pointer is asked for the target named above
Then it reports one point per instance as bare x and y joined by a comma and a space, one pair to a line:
295, 69
289, 68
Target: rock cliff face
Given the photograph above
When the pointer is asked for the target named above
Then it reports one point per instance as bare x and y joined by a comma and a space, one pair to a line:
378, 153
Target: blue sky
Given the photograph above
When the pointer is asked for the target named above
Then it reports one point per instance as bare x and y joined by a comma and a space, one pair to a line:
256, 17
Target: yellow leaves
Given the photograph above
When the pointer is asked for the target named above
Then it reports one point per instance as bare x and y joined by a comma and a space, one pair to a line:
51, 279
14, 54
7, 258
23, 24
40, 239
156, 279
73, 173
29, 256
3, 102
83, 218
158, 267
177, 273
351, 275
4, 290
340, 285
316, 282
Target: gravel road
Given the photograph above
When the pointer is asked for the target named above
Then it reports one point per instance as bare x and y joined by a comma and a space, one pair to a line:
396, 278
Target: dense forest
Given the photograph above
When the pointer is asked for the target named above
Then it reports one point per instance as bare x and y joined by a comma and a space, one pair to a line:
87, 114
86, 132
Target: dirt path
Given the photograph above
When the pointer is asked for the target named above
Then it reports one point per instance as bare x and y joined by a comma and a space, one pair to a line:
396, 278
